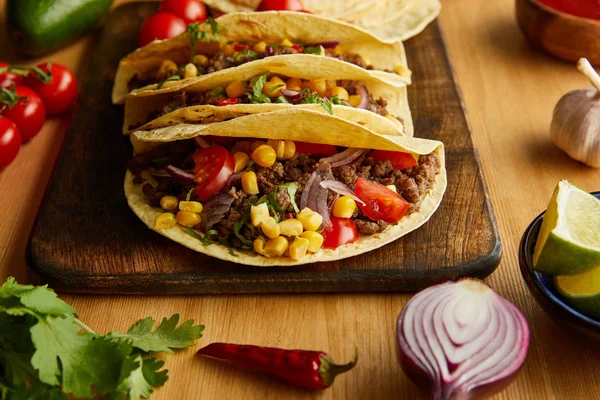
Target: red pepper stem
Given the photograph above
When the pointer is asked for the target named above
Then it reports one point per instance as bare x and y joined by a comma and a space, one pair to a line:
329, 370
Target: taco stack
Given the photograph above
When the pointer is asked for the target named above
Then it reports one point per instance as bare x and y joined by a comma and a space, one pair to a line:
287, 187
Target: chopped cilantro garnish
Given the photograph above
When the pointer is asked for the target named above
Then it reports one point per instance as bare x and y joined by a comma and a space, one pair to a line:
188, 196
274, 88
214, 25
281, 99
318, 50
217, 91
273, 199
171, 78
233, 253
327, 106
313, 98
258, 83
196, 235
337, 101
248, 52
238, 226
292, 188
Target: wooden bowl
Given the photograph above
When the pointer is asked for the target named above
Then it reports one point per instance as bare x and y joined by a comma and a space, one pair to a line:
563, 35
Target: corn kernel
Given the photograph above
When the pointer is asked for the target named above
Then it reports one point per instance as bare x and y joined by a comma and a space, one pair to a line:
270, 228
392, 188
276, 247
193, 206
354, 100
344, 207
394, 120
258, 214
256, 144
190, 71
315, 239
319, 86
235, 89
228, 50
259, 245
249, 183
166, 67
200, 59
311, 221
289, 149
339, 92
298, 248
264, 156
188, 218
164, 221
241, 161
286, 43
296, 88
291, 227
260, 47
278, 146
273, 87
168, 203
295, 82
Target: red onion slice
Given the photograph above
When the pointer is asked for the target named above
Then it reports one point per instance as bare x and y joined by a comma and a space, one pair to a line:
346, 157
291, 94
201, 143
215, 209
461, 340
180, 175
315, 197
364, 96
268, 51
340, 188
306, 191
326, 45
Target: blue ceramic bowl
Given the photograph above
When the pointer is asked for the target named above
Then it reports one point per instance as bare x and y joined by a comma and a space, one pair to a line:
582, 328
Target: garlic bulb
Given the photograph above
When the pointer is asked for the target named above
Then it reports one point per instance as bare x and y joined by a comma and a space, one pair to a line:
576, 120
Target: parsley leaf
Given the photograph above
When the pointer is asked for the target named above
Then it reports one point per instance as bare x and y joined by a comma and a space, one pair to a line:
217, 91
258, 83
169, 79
188, 196
317, 50
238, 226
313, 98
196, 235
246, 52
292, 188
214, 26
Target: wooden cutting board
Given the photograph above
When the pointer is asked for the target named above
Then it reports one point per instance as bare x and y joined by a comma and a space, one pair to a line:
87, 240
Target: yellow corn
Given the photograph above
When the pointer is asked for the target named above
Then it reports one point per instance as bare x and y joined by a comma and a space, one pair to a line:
284, 149
315, 239
344, 207
164, 221
286, 43
354, 100
278, 146
200, 59
166, 67
249, 183
276, 247
270, 228
168, 203
259, 245
190, 71
260, 47
296, 88
311, 221
291, 227
188, 218
319, 86
258, 214
392, 188
228, 50
298, 248
264, 156
295, 82
289, 149
273, 87
394, 120
235, 89
192, 206
241, 161
256, 144
331, 84
339, 92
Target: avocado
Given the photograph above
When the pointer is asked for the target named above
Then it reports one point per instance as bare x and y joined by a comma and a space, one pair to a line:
37, 27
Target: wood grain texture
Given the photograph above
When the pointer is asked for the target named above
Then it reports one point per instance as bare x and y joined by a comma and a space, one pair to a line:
509, 91
91, 242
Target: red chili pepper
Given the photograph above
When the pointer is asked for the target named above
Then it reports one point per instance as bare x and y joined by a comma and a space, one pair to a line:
228, 102
303, 368
298, 49
240, 47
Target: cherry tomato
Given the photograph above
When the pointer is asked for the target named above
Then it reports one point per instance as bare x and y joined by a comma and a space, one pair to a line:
60, 92
8, 78
214, 167
313, 148
342, 231
228, 102
274, 5
188, 10
162, 25
380, 202
25, 108
398, 159
10, 141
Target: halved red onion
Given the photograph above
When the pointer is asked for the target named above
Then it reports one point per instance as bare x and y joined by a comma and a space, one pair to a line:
306, 191
315, 197
461, 340
180, 175
347, 156
322, 206
160, 173
291, 94
215, 208
364, 96
326, 45
268, 51
201, 143
340, 188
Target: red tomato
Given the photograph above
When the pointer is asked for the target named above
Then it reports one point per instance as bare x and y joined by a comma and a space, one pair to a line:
214, 167
162, 25
228, 102
240, 47
188, 10
8, 78
271, 5
380, 202
342, 231
60, 92
313, 148
10, 141
398, 159
25, 108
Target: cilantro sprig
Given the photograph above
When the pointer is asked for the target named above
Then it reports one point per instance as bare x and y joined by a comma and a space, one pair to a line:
44, 354
258, 83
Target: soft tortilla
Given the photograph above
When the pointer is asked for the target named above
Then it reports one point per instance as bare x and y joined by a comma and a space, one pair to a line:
303, 125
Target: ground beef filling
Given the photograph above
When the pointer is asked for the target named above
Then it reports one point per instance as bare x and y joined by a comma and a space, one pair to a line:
411, 184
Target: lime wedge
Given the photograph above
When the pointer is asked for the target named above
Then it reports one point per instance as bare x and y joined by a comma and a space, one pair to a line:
581, 291
569, 239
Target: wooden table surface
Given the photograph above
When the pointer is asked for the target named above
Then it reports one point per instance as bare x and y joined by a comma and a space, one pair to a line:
509, 91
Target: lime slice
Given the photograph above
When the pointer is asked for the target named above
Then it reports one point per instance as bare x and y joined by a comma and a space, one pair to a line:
581, 291
569, 239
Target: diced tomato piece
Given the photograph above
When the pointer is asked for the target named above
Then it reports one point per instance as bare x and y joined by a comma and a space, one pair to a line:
228, 102
214, 167
275, 5
342, 231
315, 149
240, 47
398, 159
298, 49
380, 202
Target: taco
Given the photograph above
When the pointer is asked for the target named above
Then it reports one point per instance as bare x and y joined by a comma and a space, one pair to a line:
283, 188
241, 38
275, 83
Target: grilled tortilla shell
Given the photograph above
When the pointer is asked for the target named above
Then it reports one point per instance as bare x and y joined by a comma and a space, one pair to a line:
300, 125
